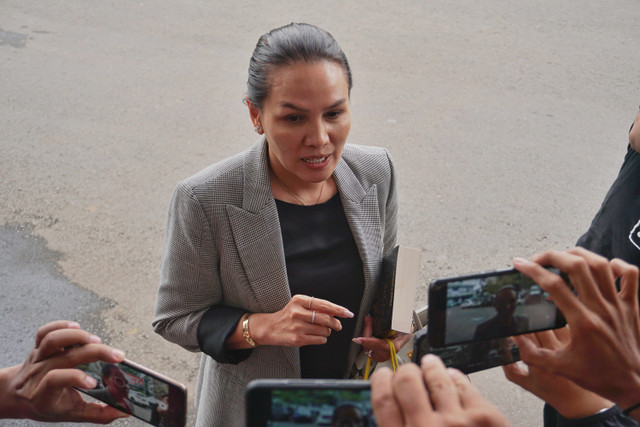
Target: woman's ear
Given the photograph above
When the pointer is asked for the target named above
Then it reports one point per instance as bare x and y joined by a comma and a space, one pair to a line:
254, 113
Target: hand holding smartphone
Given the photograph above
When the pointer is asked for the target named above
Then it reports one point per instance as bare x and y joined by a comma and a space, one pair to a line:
139, 391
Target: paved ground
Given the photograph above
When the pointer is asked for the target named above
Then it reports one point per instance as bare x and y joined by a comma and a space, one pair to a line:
507, 121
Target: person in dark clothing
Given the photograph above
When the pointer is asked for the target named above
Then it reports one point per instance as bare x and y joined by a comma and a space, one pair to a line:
504, 323
615, 229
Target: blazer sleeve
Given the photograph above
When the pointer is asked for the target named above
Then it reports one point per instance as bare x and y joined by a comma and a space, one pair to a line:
190, 281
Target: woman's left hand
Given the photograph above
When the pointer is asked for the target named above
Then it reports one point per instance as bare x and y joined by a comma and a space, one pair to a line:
379, 348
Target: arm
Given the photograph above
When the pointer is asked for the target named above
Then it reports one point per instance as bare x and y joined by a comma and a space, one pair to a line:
602, 351
190, 280
41, 388
430, 395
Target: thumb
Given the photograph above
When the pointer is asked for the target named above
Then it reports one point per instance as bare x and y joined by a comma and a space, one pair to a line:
367, 330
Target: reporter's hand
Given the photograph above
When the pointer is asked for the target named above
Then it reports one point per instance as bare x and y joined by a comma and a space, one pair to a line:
430, 395
304, 320
41, 388
602, 353
379, 348
569, 399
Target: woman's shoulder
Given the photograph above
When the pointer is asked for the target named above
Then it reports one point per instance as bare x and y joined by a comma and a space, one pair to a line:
367, 159
355, 151
228, 174
224, 173
368, 165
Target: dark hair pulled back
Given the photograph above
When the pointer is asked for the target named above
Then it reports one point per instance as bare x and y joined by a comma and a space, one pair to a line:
289, 45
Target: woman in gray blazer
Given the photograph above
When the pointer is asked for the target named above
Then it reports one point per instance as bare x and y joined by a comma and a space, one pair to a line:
272, 256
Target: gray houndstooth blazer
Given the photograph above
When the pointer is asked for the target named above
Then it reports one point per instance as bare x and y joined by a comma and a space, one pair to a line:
224, 246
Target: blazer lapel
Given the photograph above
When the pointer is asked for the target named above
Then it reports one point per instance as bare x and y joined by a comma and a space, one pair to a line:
256, 232
362, 211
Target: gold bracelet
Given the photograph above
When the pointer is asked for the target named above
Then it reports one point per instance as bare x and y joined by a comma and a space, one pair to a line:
245, 330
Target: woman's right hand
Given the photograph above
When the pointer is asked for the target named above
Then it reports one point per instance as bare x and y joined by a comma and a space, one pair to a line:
305, 320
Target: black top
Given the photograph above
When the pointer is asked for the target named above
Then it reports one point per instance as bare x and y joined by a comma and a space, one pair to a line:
323, 261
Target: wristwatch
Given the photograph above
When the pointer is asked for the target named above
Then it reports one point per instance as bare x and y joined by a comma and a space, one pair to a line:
245, 330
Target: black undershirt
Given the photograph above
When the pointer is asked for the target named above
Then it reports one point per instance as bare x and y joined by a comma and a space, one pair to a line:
323, 261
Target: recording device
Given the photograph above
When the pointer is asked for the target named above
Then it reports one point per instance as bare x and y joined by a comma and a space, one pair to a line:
489, 305
138, 391
271, 402
470, 357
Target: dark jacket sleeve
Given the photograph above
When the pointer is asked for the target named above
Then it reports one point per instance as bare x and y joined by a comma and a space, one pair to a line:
612, 417
215, 327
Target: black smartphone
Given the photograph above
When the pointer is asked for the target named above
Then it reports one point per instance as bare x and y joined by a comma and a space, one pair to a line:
470, 357
138, 391
275, 402
489, 305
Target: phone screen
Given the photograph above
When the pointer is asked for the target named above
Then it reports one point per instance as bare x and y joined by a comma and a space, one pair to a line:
487, 306
138, 391
345, 403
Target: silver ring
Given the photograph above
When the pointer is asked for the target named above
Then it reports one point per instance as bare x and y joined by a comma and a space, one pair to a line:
369, 353
310, 301
313, 317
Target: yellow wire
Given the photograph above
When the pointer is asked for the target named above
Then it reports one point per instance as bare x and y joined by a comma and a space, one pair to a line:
394, 359
394, 356
367, 369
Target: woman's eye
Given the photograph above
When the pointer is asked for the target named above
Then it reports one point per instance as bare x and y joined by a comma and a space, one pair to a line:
294, 118
334, 114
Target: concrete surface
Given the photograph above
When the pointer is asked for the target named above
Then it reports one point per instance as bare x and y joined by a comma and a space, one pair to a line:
507, 121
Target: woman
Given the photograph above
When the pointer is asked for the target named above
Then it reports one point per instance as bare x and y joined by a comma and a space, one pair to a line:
272, 256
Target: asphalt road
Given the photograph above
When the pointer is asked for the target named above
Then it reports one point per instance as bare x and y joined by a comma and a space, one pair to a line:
507, 121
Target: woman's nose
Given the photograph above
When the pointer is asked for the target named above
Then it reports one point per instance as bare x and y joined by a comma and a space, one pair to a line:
318, 134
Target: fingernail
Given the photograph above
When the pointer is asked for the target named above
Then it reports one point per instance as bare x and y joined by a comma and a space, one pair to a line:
89, 382
454, 373
357, 341
117, 354
521, 261
348, 314
73, 325
429, 358
95, 339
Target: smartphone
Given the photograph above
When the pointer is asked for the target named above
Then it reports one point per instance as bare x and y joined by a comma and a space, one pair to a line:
470, 357
323, 402
489, 305
138, 391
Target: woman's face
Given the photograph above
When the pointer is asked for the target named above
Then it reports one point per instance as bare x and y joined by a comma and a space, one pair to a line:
306, 120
